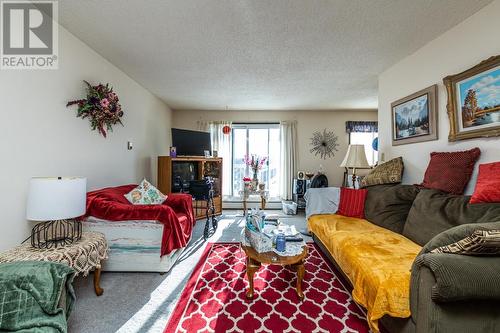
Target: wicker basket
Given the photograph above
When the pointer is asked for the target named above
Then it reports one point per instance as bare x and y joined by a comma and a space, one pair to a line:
259, 241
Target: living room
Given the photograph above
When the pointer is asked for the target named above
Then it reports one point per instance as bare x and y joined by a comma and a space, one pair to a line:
365, 133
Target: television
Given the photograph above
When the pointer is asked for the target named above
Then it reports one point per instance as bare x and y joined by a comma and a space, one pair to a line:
190, 143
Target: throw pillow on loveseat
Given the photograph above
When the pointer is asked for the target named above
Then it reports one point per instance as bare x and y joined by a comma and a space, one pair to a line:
450, 172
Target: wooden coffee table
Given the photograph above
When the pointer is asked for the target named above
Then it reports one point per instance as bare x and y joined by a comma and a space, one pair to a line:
255, 259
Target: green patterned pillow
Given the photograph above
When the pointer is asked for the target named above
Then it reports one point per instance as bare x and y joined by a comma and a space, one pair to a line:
145, 194
390, 172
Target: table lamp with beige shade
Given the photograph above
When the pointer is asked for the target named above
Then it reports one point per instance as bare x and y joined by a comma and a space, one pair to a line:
56, 201
355, 158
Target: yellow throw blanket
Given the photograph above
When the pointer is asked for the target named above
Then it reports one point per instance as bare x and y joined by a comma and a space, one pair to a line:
377, 261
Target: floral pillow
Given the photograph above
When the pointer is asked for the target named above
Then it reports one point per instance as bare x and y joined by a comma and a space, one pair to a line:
145, 194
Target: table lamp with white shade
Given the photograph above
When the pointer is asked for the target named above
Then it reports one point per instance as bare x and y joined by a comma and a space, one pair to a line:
56, 201
355, 158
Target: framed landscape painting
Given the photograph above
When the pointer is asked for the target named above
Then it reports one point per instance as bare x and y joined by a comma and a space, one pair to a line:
414, 117
474, 101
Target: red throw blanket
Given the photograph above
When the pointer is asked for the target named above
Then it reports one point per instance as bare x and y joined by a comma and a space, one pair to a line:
176, 213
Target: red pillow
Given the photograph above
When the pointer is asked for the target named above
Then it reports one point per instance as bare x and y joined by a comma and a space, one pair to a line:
450, 172
352, 202
488, 184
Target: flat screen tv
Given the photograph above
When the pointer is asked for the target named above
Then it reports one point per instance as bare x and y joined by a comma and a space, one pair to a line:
190, 143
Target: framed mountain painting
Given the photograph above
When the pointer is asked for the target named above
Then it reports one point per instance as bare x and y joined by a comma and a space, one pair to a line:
474, 101
414, 117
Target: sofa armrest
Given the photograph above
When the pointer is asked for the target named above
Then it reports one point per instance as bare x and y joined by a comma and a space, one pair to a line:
457, 276
460, 277
460, 316
446, 290
464, 316
181, 203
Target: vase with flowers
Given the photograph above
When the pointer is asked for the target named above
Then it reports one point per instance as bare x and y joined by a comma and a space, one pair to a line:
247, 183
255, 163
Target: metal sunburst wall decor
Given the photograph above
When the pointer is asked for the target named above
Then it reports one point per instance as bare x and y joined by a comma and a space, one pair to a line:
324, 144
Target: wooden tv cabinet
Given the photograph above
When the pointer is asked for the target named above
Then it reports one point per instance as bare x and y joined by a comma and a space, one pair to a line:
204, 167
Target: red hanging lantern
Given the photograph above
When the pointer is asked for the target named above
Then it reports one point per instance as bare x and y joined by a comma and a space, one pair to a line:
226, 129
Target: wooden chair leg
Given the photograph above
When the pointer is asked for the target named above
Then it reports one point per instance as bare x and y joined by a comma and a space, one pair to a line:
97, 279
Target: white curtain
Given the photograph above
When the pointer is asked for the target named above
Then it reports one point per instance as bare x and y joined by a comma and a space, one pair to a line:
222, 144
288, 136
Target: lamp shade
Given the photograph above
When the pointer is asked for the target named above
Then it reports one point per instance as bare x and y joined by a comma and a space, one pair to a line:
51, 199
355, 157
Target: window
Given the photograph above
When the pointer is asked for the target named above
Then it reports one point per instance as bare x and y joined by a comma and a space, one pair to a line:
366, 139
262, 140
363, 133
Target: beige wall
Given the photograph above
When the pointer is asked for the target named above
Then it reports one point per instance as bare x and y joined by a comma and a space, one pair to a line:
307, 123
41, 137
460, 48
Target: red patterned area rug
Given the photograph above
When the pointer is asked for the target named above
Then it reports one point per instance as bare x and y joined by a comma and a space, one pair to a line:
214, 298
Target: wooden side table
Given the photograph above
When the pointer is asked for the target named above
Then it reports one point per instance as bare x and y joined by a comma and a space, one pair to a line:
83, 256
255, 259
